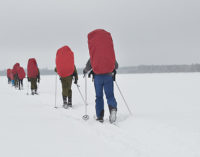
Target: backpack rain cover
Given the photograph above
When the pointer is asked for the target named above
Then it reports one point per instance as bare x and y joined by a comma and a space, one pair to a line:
32, 69
101, 49
65, 61
21, 73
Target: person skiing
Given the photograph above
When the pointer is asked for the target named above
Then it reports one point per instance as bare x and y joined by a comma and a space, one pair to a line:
33, 75
21, 76
15, 69
66, 70
8, 75
102, 65
12, 78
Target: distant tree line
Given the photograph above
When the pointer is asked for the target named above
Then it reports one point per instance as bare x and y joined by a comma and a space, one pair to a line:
138, 69
161, 69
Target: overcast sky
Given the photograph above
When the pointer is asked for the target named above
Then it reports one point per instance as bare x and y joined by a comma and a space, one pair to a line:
143, 31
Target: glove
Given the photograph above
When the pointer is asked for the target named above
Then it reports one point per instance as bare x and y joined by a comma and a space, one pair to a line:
28, 79
84, 72
114, 75
91, 73
38, 80
76, 81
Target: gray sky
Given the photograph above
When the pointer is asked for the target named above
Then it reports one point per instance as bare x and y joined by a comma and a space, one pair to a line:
144, 31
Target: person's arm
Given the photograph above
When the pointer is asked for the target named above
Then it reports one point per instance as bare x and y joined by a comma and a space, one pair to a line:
38, 77
75, 74
116, 65
88, 67
114, 71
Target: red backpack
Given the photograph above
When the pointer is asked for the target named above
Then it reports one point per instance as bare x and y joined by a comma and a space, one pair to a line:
102, 54
32, 69
65, 62
21, 73
15, 68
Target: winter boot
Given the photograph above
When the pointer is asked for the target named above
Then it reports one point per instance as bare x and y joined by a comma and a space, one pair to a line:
36, 92
65, 102
113, 114
100, 119
69, 101
32, 92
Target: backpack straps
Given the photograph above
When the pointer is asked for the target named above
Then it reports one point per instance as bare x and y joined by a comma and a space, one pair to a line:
92, 73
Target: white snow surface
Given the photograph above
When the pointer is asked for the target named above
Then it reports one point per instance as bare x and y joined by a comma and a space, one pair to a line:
165, 121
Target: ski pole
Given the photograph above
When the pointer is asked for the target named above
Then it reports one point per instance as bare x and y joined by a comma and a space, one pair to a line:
86, 89
55, 91
123, 98
85, 117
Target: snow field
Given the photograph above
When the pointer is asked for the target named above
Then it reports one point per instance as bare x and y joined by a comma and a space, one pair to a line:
165, 119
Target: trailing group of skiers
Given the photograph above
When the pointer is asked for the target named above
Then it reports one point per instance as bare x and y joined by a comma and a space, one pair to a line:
102, 66
17, 74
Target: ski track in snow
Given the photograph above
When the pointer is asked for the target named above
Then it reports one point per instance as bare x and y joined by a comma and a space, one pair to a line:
165, 119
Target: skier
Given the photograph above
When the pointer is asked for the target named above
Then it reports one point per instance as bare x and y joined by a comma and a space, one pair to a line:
66, 70
15, 69
12, 78
8, 75
102, 62
33, 75
21, 75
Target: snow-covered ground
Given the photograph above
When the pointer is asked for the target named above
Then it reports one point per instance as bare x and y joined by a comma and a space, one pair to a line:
165, 121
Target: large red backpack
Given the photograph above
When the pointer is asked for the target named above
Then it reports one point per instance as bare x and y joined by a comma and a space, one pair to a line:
15, 68
65, 61
32, 69
21, 73
102, 54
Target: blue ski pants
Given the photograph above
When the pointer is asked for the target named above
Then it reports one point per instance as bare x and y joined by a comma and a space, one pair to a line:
104, 82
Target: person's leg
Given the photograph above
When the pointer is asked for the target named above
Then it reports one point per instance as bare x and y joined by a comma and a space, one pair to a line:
112, 104
15, 78
22, 83
64, 91
32, 86
19, 84
13, 82
98, 84
69, 87
17, 81
109, 91
35, 85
